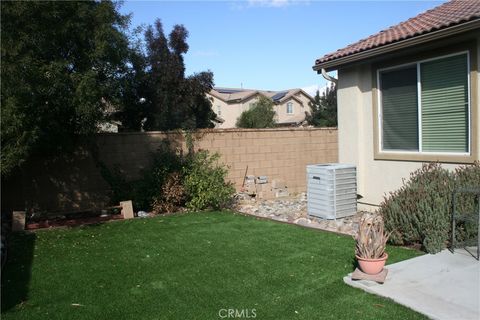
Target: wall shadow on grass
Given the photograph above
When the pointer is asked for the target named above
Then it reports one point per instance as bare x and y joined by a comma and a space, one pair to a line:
17, 270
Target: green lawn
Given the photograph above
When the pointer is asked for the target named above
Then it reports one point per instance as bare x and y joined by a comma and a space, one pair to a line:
188, 266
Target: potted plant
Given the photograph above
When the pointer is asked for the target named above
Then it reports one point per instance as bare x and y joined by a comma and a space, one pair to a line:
371, 241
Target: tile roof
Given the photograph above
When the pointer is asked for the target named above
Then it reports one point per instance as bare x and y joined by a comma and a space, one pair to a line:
449, 14
235, 95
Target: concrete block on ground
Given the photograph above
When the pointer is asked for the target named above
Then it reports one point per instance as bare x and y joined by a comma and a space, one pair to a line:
250, 189
278, 183
261, 180
279, 193
265, 191
264, 187
266, 194
249, 185
18, 220
127, 209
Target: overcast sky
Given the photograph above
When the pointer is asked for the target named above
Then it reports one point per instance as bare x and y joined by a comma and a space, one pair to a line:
272, 44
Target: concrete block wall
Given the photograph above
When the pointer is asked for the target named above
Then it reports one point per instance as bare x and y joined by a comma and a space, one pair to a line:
275, 153
74, 182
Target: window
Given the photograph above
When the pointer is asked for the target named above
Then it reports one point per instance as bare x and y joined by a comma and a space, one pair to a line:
424, 107
289, 108
219, 110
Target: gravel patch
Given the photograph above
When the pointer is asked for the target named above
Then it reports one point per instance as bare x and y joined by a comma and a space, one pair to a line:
294, 210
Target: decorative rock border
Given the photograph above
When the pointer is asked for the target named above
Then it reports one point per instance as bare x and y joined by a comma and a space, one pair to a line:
294, 210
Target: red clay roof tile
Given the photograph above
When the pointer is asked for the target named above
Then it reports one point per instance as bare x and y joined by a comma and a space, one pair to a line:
446, 15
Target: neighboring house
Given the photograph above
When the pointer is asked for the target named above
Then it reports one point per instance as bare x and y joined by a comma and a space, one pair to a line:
408, 95
229, 103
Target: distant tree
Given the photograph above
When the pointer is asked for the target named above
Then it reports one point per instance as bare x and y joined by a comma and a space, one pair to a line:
173, 100
324, 108
60, 68
135, 89
261, 115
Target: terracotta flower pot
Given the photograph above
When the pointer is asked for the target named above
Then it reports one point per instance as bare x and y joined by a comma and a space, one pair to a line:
372, 266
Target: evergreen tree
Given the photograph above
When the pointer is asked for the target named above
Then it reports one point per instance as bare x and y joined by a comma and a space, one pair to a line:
261, 115
174, 101
324, 108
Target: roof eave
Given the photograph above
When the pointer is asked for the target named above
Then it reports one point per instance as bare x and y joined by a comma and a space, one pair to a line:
416, 40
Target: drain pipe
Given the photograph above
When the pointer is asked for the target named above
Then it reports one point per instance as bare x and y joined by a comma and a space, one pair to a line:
329, 77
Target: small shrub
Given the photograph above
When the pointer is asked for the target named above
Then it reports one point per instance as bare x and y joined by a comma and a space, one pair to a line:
145, 190
172, 196
149, 187
205, 182
420, 211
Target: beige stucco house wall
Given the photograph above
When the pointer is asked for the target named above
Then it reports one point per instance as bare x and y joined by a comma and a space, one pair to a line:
230, 107
356, 114
358, 139
300, 105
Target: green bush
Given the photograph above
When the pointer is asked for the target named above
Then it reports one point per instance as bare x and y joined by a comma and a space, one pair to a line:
149, 187
261, 115
172, 181
420, 211
205, 184
144, 191
172, 196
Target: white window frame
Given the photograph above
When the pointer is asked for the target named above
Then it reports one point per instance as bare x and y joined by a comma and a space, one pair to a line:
289, 104
419, 108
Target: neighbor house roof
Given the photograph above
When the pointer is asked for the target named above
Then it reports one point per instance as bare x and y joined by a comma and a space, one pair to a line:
236, 95
449, 15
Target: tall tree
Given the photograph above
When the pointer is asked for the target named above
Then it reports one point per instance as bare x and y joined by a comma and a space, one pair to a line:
61, 62
175, 101
135, 89
324, 108
261, 115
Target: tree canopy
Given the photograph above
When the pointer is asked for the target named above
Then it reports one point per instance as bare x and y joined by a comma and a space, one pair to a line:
260, 115
69, 66
324, 108
174, 100
61, 62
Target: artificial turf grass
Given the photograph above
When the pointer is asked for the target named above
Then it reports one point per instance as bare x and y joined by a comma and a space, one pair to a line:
188, 266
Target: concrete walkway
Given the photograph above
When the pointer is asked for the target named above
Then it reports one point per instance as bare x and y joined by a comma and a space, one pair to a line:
441, 286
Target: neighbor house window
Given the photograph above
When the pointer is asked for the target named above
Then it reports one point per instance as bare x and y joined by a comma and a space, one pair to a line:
289, 108
219, 110
424, 107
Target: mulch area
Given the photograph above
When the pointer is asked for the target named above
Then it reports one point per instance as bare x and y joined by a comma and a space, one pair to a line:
52, 223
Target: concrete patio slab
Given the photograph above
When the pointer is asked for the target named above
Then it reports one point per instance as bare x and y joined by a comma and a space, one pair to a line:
441, 286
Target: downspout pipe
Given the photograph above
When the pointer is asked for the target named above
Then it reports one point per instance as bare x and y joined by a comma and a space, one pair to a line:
329, 77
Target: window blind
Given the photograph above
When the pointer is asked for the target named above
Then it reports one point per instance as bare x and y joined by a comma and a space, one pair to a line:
399, 109
444, 104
